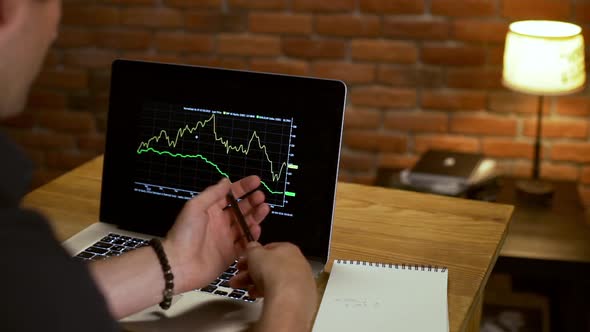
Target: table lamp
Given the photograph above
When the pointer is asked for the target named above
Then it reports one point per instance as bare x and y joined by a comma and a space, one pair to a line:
543, 58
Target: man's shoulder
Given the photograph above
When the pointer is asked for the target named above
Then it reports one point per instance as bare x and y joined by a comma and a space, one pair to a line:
44, 280
25, 233
15, 221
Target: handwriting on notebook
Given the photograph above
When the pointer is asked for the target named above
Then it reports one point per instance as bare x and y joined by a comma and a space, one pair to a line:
352, 303
364, 296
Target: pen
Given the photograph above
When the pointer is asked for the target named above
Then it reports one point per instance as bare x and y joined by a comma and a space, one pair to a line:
240, 217
241, 197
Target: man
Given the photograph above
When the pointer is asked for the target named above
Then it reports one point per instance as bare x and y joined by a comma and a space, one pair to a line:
43, 289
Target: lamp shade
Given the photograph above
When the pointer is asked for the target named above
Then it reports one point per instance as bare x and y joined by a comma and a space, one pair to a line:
544, 58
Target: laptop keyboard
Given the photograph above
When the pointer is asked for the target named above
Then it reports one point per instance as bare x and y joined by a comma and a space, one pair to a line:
116, 245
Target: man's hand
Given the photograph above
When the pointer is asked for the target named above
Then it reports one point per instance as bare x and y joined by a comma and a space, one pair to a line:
205, 239
280, 273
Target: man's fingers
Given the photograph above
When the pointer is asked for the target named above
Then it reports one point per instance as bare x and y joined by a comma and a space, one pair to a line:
249, 204
258, 214
254, 209
212, 194
256, 198
245, 185
249, 247
242, 263
240, 280
253, 292
240, 188
255, 230
241, 243
253, 218
273, 245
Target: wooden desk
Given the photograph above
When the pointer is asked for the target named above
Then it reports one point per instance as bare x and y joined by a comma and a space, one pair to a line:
559, 232
547, 250
373, 224
556, 232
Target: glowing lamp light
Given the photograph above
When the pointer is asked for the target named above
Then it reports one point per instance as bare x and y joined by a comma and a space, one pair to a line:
544, 58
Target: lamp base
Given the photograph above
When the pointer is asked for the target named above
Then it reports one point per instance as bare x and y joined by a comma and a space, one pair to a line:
534, 191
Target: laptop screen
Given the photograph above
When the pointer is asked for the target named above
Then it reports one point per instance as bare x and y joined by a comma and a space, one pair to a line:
174, 130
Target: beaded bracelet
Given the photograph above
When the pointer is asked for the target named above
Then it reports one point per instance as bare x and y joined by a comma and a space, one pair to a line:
168, 276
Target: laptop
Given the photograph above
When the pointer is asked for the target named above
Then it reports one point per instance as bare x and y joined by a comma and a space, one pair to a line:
174, 130
449, 172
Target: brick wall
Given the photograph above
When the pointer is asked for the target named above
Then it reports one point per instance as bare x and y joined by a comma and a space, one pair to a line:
421, 73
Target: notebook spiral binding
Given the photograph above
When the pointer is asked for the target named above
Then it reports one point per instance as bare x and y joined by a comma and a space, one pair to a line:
395, 266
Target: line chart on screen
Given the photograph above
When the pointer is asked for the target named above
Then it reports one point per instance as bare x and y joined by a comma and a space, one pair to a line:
181, 150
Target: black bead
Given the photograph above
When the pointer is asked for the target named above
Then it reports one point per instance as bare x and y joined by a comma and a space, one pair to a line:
168, 276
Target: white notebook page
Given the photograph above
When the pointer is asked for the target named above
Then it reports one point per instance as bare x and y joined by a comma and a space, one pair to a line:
381, 298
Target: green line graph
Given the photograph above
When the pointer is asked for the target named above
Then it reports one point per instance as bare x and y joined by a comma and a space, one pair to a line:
225, 142
199, 156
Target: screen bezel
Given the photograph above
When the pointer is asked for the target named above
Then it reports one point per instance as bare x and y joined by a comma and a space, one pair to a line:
137, 80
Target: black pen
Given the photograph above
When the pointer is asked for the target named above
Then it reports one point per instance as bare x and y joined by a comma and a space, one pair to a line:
241, 197
240, 217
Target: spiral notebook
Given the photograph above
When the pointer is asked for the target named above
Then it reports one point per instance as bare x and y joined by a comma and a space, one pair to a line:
364, 296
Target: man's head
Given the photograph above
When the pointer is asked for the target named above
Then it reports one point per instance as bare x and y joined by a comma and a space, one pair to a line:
27, 29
